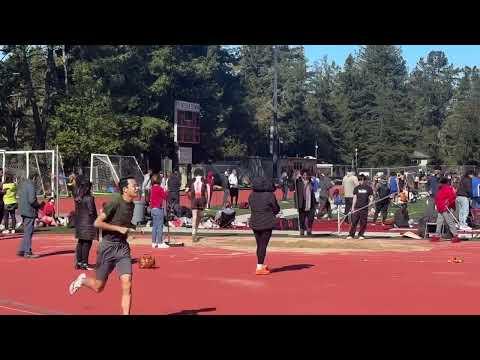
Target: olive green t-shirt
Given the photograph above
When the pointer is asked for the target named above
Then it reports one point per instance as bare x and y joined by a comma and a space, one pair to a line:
118, 212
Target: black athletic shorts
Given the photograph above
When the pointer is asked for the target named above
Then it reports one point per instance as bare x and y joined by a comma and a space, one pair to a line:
113, 255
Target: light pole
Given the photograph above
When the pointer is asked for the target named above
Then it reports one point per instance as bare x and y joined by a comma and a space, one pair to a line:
356, 159
275, 114
316, 150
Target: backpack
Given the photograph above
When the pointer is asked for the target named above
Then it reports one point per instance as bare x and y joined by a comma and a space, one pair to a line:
475, 187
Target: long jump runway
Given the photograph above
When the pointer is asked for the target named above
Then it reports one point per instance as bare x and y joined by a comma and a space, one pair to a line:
207, 280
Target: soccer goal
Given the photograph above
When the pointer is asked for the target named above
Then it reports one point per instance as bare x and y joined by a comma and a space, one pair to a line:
106, 170
23, 164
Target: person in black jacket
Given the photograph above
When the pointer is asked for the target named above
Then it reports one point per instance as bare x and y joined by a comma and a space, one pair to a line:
305, 203
85, 215
173, 189
464, 193
263, 207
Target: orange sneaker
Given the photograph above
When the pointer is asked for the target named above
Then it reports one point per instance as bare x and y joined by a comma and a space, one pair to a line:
263, 271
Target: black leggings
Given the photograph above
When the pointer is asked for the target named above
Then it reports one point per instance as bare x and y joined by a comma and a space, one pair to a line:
233, 195
83, 249
262, 237
12, 217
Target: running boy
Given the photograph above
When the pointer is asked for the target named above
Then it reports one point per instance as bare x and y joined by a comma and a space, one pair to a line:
114, 250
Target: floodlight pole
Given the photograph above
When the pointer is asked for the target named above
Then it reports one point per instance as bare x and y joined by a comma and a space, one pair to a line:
275, 114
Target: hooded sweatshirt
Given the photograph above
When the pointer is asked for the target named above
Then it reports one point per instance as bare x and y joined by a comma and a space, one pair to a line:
445, 198
263, 205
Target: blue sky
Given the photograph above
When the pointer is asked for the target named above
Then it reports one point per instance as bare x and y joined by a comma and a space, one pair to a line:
459, 55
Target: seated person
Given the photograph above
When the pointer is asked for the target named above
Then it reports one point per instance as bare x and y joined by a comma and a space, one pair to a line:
46, 214
225, 216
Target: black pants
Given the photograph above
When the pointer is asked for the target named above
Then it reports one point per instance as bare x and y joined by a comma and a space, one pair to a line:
306, 219
359, 217
262, 237
348, 207
82, 251
10, 213
233, 195
381, 207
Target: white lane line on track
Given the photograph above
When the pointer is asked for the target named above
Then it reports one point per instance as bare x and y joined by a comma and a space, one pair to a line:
19, 310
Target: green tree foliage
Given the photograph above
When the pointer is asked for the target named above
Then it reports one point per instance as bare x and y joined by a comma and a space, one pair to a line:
120, 99
84, 122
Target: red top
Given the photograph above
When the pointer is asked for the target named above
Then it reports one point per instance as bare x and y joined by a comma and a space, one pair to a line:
444, 198
48, 209
157, 196
210, 178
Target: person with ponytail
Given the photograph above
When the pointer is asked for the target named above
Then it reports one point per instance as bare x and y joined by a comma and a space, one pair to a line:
85, 215
197, 192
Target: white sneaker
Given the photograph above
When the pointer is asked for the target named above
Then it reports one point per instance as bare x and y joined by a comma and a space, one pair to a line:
154, 245
361, 238
76, 284
349, 238
6, 232
12, 231
468, 228
163, 246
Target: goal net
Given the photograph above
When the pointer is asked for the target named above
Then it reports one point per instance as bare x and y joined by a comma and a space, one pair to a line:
106, 170
23, 164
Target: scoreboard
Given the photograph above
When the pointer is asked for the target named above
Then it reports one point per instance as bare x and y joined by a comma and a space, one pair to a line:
186, 122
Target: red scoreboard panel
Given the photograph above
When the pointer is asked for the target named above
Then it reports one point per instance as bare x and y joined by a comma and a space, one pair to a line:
187, 122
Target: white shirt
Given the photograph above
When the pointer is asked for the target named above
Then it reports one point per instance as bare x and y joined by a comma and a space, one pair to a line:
147, 184
233, 181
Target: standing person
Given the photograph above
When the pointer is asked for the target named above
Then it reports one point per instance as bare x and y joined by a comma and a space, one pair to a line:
401, 181
197, 192
158, 197
432, 182
164, 182
383, 192
10, 202
349, 182
362, 197
147, 185
71, 184
226, 187
393, 185
85, 216
445, 202
28, 210
305, 203
325, 184
174, 189
264, 207
284, 184
210, 184
233, 182
464, 194
114, 251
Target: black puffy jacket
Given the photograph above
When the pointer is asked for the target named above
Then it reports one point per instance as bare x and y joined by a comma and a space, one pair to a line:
85, 215
263, 205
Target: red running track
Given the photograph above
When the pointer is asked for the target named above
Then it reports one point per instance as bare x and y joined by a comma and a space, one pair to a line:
212, 281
